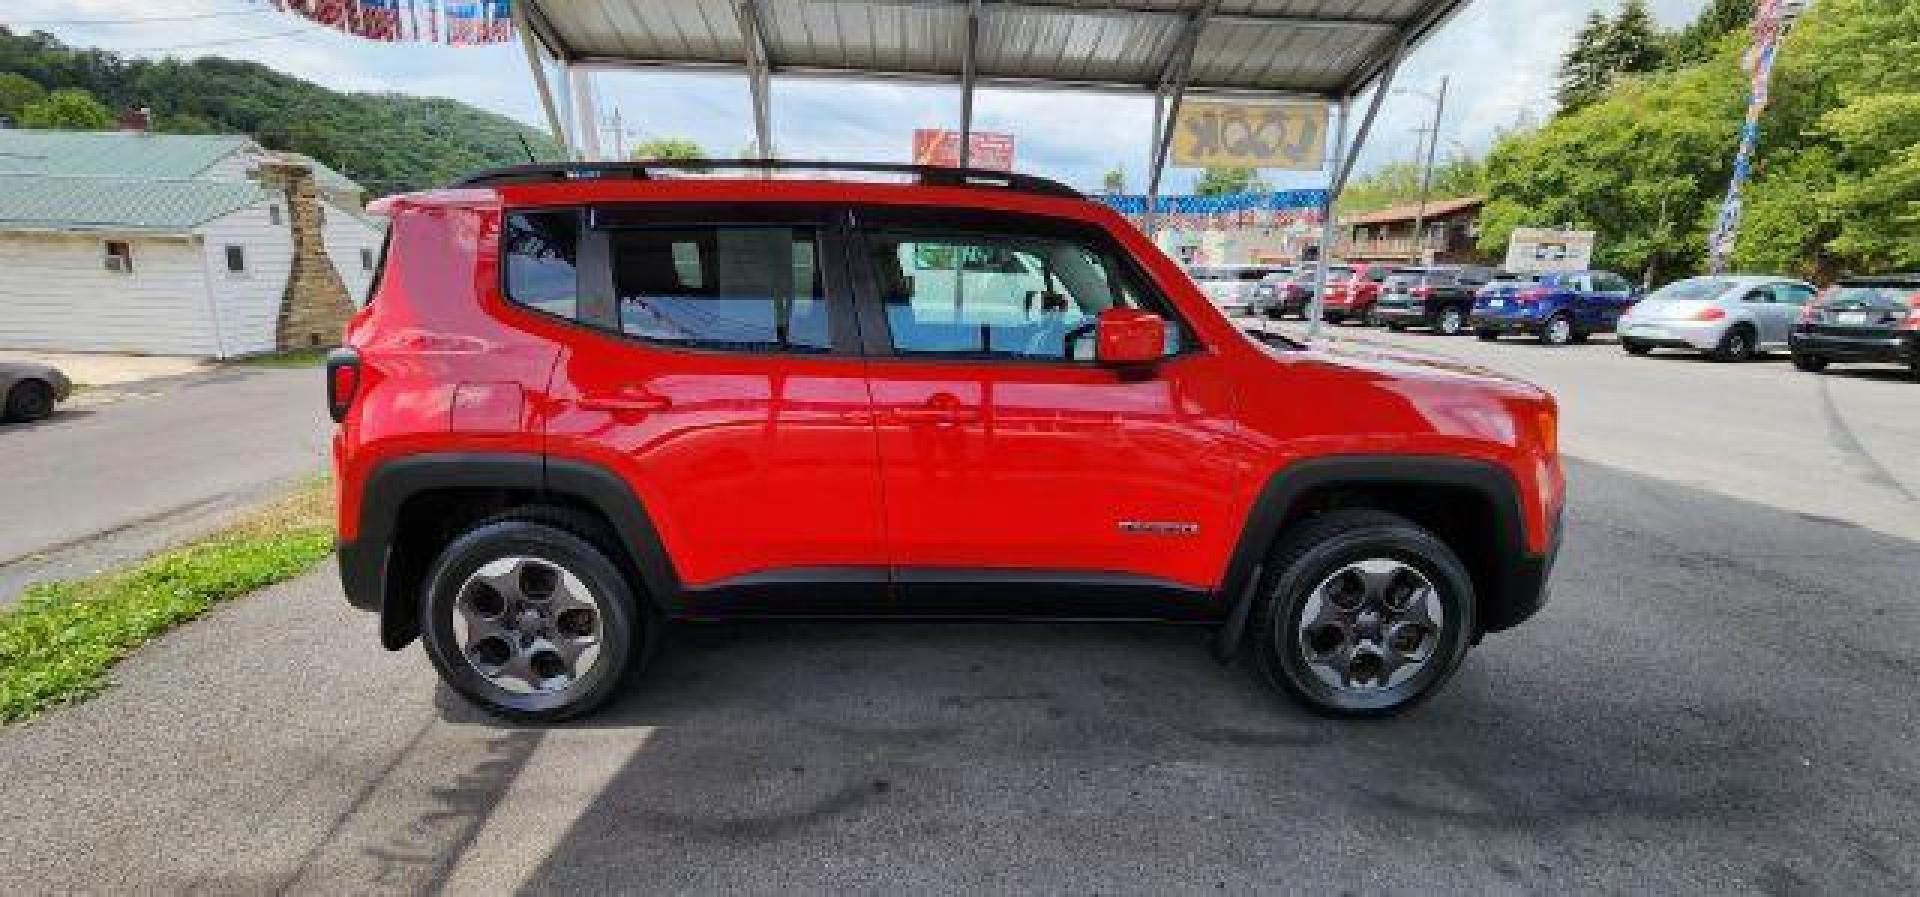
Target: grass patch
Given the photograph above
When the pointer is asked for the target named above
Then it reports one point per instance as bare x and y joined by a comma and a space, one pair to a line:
298, 358
58, 643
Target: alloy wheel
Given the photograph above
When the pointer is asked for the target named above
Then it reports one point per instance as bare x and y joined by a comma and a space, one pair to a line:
528, 625
1450, 321
1559, 331
1370, 625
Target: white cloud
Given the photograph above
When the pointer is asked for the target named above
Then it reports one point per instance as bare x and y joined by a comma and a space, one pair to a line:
1500, 55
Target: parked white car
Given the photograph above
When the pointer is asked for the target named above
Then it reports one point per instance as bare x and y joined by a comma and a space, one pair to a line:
1730, 317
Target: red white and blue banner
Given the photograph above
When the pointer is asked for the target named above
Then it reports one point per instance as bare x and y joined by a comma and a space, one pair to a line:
1226, 211
453, 22
1769, 22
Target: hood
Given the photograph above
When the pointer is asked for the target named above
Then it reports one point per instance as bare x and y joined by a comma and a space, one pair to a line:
1388, 363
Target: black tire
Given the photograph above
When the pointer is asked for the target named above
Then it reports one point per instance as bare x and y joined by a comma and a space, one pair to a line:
1552, 332
1306, 562
1370, 318
1812, 364
1336, 318
1487, 336
623, 630
1736, 344
28, 400
1633, 347
1396, 326
1450, 322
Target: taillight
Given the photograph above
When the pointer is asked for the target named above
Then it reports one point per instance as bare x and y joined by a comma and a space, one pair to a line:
343, 381
1710, 313
1912, 320
1422, 292
1811, 310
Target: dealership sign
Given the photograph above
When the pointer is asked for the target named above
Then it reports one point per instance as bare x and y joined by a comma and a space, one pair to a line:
1539, 250
1290, 136
936, 147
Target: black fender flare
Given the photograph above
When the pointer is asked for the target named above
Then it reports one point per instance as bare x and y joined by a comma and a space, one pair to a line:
1516, 588
366, 561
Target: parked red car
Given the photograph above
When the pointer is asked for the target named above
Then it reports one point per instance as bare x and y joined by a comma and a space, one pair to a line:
1353, 292
585, 401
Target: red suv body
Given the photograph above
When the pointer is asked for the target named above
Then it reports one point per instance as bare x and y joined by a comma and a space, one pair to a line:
578, 408
1352, 294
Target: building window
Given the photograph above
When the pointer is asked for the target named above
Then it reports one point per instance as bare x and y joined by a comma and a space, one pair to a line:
366, 259
273, 215
320, 214
236, 260
119, 257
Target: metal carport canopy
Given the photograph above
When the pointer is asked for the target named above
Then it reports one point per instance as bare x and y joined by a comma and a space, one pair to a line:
1302, 49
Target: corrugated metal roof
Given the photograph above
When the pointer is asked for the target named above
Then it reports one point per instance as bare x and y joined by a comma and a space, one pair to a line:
124, 154
113, 153
35, 202
1316, 47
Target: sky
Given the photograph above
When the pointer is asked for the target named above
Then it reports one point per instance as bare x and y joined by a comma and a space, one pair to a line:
1500, 57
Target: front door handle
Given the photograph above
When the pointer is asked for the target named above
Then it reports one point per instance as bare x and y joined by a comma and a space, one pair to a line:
941, 408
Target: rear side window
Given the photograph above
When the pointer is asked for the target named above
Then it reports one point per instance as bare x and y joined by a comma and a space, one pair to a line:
539, 249
744, 288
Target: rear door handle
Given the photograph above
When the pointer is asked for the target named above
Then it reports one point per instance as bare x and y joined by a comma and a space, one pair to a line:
942, 408
626, 403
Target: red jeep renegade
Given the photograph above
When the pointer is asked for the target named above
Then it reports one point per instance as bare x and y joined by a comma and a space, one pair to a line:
585, 401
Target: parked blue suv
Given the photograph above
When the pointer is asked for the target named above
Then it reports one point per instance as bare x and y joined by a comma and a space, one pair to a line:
1558, 308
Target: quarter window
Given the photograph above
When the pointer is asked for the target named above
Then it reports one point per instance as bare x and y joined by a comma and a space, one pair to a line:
539, 249
745, 288
1011, 297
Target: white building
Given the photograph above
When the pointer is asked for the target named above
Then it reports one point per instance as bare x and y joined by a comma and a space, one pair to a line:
170, 244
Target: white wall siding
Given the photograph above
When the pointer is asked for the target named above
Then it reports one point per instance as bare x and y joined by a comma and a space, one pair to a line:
346, 234
249, 302
55, 293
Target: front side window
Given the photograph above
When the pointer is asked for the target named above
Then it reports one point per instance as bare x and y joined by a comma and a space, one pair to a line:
993, 296
539, 250
747, 288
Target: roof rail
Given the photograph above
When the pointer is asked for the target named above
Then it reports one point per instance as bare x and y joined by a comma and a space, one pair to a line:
932, 175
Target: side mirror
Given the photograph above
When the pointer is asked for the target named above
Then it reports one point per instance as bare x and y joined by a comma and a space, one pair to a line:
1128, 336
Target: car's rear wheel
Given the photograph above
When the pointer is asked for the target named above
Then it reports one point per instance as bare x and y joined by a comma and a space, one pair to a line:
1371, 317
1735, 345
529, 621
29, 400
1558, 331
1396, 326
1487, 336
1450, 322
1812, 364
1363, 613
1635, 347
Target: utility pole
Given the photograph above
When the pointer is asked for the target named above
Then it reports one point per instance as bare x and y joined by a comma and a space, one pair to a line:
1426, 175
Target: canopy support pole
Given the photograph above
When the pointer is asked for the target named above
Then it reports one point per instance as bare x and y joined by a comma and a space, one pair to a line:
586, 124
759, 75
1344, 156
534, 64
1152, 217
968, 71
1173, 82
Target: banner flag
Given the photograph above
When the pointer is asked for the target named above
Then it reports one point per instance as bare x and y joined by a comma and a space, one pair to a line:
456, 23
1768, 21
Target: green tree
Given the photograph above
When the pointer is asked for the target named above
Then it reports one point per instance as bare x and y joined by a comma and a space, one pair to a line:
1216, 181
1632, 42
1604, 50
1583, 76
669, 149
183, 123
1398, 183
1700, 39
1114, 181
17, 92
66, 110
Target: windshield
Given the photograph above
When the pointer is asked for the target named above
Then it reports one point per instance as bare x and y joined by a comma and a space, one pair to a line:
1211, 273
1693, 289
1872, 295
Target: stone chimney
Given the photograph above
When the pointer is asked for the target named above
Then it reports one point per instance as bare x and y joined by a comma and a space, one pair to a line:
315, 307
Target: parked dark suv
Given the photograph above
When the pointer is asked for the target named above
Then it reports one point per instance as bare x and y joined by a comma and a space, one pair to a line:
1874, 319
1440, 297
588, 400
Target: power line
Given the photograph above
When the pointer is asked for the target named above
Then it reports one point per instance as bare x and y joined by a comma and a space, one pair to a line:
109, 22
217, 43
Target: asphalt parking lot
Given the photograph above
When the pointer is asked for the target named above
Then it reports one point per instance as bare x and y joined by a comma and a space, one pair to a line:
1718, 698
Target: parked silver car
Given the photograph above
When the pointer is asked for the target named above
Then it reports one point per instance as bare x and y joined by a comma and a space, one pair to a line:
29, 390
1231, 286
1731, 317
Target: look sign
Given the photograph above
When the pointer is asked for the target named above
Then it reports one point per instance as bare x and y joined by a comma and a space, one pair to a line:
1289, 136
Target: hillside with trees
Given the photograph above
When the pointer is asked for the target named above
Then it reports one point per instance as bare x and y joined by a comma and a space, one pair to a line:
387, 141
1643, 145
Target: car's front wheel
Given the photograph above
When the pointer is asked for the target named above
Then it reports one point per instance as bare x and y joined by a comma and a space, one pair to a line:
1363, 613
28, 400
1735, 345
1558, 331
1451, 321
529, 620
1487, 336
1635, 347
1812, 364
